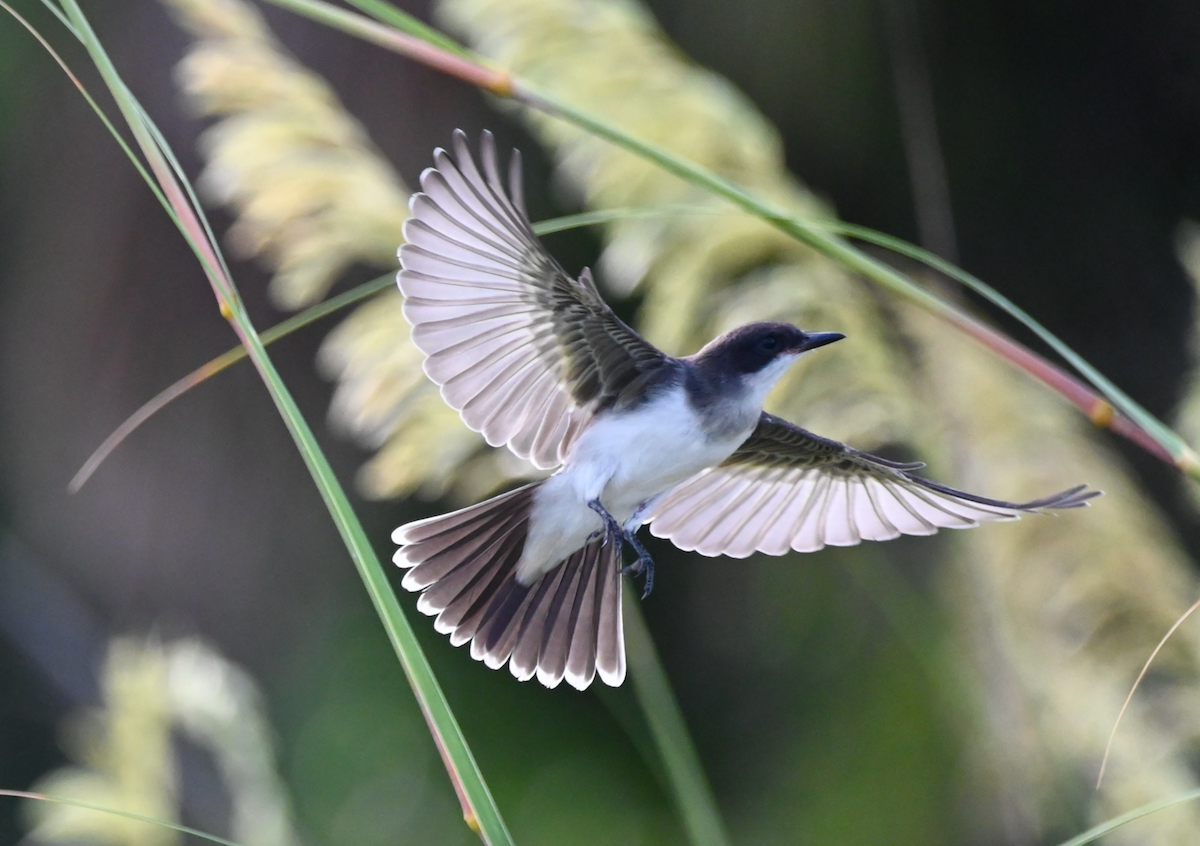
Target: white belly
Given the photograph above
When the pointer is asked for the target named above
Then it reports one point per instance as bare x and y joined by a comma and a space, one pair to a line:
624, 460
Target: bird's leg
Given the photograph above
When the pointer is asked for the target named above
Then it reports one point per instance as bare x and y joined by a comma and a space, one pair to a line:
644, 564
611, 527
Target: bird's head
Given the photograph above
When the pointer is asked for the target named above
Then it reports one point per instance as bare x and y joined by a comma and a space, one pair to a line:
757, 354
756, 347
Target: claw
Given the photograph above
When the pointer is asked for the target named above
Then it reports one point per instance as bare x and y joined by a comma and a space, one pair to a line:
644, 566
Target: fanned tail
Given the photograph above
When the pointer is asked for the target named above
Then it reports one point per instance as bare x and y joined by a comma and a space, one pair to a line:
566, 624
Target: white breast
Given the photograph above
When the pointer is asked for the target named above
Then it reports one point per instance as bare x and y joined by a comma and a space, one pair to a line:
624, 458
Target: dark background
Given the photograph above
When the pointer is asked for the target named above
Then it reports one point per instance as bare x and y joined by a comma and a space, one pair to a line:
1071, 141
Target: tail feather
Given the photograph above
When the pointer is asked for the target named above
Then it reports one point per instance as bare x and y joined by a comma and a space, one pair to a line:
435, 555
581, 657
495, 641
482, 601
445, 576
473, 601
566, 624
435, 558
493, 644
610, 638
524, 660
469, 588
422, 530
560, 622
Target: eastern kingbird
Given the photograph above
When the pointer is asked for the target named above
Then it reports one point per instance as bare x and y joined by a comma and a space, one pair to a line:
536, 360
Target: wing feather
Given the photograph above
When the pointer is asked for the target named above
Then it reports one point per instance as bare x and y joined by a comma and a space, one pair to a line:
786, 488
810, 533
526, 354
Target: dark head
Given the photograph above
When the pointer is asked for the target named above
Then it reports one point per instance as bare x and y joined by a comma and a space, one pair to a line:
743, 365
729, 379
751, 348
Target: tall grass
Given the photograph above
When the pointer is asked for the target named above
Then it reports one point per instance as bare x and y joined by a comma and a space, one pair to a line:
418, 41
170, 185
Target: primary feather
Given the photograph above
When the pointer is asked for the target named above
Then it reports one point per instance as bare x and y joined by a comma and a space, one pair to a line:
524, 352
788, 489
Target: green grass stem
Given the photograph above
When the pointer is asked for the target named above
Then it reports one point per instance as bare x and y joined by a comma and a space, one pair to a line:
479, 807
691, 793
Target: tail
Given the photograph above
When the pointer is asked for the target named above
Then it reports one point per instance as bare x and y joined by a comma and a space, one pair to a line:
567, 623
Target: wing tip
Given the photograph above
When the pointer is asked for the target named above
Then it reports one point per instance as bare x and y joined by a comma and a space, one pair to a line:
1079, 496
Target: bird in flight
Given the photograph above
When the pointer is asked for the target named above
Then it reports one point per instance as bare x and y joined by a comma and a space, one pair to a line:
536, 360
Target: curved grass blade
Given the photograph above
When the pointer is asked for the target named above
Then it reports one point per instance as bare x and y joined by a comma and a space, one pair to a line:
1136, 683
479, 808
1094, 405
1109, 826
816, 235
75, 803
1177, 449
215, 366
230, 357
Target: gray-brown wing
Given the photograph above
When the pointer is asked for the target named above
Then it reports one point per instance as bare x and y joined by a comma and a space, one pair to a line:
524, 352
786, 488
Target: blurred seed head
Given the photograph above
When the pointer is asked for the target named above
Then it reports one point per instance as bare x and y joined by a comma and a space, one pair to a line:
1061, 612
314, 197
312, 194
125, 759
218, 706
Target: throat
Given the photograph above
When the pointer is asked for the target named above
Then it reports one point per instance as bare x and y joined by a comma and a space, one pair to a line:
729, 419
725, 408
729, 403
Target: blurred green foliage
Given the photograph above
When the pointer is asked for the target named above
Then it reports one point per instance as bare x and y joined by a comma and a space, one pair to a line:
853, 696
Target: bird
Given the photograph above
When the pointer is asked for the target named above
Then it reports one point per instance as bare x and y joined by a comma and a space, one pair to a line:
534, 359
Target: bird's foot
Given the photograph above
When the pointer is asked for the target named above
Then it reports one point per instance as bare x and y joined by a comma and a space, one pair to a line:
644, 566
612, 529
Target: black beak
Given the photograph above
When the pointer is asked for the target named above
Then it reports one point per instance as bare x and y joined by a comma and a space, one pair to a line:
812, 340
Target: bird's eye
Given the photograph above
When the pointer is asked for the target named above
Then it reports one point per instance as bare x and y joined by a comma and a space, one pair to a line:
769, 343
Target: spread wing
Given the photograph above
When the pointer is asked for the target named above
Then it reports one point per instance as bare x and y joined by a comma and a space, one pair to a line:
786, 488
524, 352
